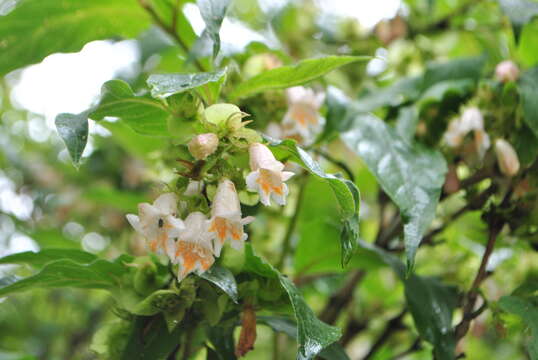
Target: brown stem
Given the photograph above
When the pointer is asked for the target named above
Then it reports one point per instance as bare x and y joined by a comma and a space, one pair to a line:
338, 301
472, 295
394, 325
353, 327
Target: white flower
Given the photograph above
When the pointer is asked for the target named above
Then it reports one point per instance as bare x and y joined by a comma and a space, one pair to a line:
226, 222
157, 222
506, 71
267, 177
192, 248
303, 118
471, 119
506, 157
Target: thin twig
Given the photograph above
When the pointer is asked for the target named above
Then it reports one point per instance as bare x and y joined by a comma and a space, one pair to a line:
393, 325
170, 30
336, 162
286, 243
338, 301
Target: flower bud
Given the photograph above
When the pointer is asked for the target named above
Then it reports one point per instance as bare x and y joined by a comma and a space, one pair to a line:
506, 157
203, 145
506, 71
471, 119
223, 114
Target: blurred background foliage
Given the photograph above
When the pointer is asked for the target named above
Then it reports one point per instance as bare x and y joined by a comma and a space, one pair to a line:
45, 202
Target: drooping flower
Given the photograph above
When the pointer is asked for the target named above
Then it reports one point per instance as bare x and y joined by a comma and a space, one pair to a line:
203, 145
191, 249
506, 157
157, 222
471, 120
302, 119
226, 222
506, 71
267, 176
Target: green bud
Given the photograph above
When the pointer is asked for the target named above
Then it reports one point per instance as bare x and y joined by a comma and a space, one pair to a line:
145, 278
233, 259
223, 114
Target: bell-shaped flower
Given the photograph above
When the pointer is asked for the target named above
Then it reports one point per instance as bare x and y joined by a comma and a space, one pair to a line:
226, 222
192, 249
267, 176
506, 157
157, 222
303, 118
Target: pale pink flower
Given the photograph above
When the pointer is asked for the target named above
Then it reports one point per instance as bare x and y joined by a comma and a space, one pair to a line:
267, 176
157, 222
191, 249
226, 222
302, 118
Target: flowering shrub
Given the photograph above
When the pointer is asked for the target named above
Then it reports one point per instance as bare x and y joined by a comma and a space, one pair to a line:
329, 192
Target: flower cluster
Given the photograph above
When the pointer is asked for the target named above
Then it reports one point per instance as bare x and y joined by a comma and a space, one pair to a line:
302, 121
472, 120
193, 243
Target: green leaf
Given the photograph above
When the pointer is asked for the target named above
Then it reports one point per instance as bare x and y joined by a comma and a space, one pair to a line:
164, 85
38, 259
150, 339
438, 91
213, 12
142, 113
395, 94
528, 88
411, 175
520, 12
37, 28
287, 76
136, 144
313, 335
406, 123
335, 351
73, 129
126, 201
528, 312
345, 191
457, 69
528, 44
223, 279
99, 274
431, 304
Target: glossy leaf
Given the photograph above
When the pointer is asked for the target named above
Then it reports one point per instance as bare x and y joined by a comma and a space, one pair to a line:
432, 304
406, 123
99, 274
37, 28
213, 12
142, 113
287, 326
45, 256
528, 44
528, 312
73, 129
223, 279
528, 88
164, 85
345, 191
288, 76
411, 175
313, 335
